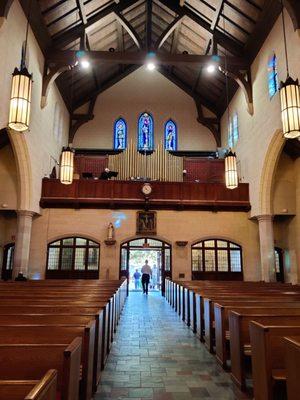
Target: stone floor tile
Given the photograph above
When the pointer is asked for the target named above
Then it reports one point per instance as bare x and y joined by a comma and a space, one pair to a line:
155, 356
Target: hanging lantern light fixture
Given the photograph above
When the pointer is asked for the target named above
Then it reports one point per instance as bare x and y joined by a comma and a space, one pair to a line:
20, 100
231, 175
66, 169
289, 97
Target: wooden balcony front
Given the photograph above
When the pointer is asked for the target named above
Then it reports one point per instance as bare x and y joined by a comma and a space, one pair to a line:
90, 193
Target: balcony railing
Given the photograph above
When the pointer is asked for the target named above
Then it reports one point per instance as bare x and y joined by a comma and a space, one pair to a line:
85, 193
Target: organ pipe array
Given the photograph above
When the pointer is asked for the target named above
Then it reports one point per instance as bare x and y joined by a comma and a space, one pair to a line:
159, 165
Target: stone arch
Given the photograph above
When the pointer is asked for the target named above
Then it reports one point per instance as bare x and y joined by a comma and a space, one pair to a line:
21, 153
268, 173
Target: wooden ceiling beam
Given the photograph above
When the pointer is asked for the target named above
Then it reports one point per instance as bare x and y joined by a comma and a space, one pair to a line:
225, 41
293, 8
36, 22
67, 57
266, 20
74, 33
129, 29
167, 32
148, 25
5, 7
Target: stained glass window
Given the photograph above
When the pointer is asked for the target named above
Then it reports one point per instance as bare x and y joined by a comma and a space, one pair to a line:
120, 134
145, 132
170, 135
272, 75
233, 131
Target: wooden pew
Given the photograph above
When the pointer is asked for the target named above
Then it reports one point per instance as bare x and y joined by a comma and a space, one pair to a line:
41, 334
292, 365
268, 357
221, 326
31, 361
66, 314
44, 389
240, 347
252, 298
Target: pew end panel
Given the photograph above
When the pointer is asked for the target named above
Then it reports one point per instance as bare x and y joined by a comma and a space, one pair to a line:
292, 363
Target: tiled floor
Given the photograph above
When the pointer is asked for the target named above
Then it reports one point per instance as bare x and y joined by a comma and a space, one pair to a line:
155, 356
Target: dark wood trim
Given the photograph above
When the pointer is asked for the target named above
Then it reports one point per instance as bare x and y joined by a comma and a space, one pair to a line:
67, 57
85, 193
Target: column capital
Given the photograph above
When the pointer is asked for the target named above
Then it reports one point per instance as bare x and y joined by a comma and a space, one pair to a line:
265, 217
25, 213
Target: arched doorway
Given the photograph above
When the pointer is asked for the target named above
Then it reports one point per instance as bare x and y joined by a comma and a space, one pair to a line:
8, 260
158, 253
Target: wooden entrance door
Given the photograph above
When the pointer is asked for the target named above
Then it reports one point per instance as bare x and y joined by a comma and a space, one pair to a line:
164, 249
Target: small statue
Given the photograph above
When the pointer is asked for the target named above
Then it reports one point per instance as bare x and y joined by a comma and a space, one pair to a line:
110, 231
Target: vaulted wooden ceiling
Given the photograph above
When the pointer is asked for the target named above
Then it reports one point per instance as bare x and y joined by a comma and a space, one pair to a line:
171, 28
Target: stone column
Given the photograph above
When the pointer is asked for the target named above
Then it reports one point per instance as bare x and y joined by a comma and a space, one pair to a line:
23, 236
266, 240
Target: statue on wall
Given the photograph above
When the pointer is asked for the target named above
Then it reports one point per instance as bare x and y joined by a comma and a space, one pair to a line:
110, 231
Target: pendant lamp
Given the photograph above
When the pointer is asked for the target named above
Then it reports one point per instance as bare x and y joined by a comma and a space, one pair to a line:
231, 175
20, 99
66, 170
289, 97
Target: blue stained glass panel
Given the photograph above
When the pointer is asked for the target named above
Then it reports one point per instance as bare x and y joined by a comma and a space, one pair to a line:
233, 131
145, 132
170, 135
272, 76
120, 134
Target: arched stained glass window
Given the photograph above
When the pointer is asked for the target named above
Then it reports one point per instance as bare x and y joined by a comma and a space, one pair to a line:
120, 134
272, 75
233, 131
170, 135
145, 132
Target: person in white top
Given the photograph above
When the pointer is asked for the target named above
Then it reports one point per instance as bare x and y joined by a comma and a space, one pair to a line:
146, 274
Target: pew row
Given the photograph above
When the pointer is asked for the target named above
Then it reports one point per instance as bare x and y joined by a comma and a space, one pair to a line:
44, 389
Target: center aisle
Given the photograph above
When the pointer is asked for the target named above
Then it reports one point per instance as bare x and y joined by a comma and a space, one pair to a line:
155, 356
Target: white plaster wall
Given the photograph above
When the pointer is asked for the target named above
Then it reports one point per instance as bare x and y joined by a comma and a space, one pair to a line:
8, 179
257, 131
171, 226
40, 138
141, 91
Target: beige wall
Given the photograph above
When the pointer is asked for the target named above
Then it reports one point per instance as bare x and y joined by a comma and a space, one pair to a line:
40, 140
8, 179
141, 91
257, 131
171, 226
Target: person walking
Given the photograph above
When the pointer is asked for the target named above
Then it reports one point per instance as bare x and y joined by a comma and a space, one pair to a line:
136, 277
146, 274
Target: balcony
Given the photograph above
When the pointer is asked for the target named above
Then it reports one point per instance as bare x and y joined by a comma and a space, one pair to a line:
115, 194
